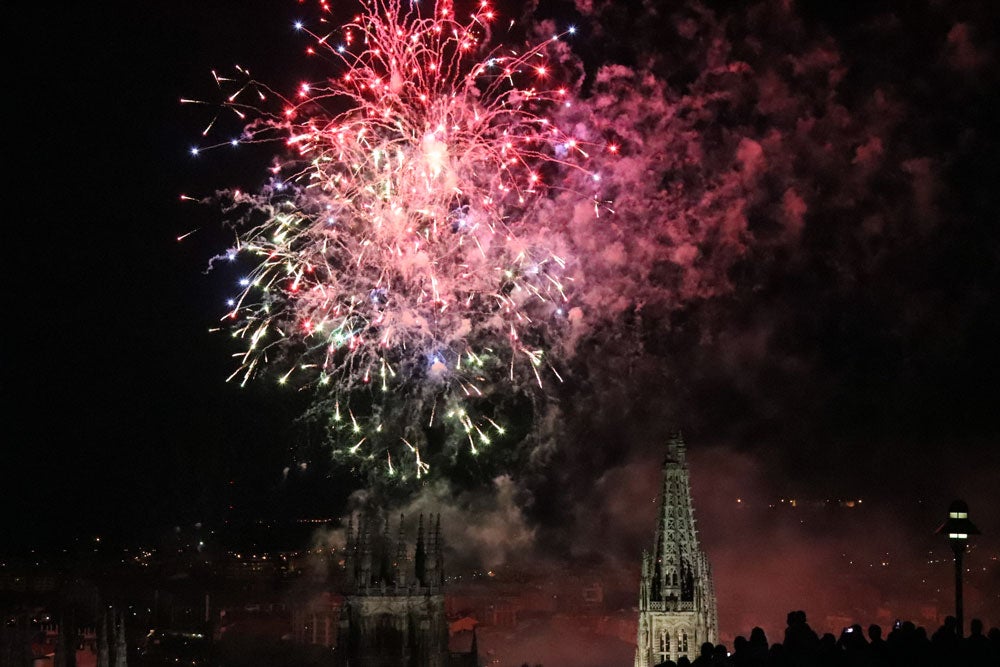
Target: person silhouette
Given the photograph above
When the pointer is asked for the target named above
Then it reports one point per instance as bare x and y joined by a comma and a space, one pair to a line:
877, 647
704, 658
741, 652
944, 642
758, 647
976, 648
801, 641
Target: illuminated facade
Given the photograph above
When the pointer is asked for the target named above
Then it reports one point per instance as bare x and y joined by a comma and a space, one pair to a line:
677, 611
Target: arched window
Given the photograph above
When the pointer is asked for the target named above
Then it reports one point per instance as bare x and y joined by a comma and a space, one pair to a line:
664, 644
682, 641
387, 638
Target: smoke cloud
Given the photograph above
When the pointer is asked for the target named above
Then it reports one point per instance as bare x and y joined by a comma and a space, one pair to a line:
791, 258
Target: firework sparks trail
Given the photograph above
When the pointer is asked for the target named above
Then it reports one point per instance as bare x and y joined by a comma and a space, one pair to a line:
396, 259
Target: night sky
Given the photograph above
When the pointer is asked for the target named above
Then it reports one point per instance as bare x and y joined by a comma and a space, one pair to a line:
842, 344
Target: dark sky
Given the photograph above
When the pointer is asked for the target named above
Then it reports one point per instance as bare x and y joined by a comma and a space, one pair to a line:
120, 413
859, 359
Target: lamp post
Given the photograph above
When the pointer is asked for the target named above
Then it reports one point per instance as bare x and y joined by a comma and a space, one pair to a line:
958, 527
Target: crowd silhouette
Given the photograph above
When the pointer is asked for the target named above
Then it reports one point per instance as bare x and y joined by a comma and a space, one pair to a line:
906, 645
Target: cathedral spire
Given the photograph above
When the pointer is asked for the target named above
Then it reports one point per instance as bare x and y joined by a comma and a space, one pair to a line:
103, 648
420, 555
433, 557
365, 550
385, 555
350, 553
398, 565
439, 551
676, 603
121, 647
677, 449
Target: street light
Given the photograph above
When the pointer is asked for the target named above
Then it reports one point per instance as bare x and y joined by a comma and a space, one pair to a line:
958, 527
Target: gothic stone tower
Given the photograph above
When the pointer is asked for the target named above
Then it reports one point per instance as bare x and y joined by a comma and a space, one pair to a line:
676, 597
393, 613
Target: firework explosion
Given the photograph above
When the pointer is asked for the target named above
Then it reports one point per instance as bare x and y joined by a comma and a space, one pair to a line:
400, 270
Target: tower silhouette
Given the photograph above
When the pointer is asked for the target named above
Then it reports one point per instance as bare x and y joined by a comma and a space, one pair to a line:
393, 613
